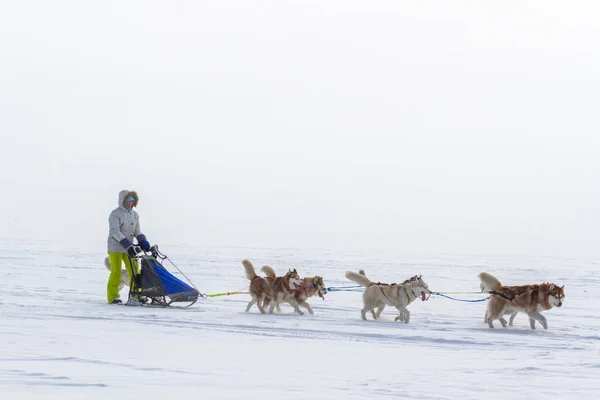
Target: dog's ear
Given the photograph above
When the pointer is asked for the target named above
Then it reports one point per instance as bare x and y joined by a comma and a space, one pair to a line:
562, 287
551, 286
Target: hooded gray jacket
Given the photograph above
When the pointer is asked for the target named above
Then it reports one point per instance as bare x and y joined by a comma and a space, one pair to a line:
123, 223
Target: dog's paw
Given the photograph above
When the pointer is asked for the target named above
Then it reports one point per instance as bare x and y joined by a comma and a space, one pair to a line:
404, 317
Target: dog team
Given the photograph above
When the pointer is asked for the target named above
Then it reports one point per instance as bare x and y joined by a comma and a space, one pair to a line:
272, 290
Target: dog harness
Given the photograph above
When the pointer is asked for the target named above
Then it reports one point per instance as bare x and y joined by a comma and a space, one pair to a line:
405, 292
504, 296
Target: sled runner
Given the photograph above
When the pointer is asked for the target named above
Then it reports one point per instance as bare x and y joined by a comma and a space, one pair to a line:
155, 286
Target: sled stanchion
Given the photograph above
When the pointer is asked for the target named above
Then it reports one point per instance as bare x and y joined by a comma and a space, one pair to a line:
134, 278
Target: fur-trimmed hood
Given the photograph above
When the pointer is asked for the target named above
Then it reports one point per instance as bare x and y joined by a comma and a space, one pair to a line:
123, 194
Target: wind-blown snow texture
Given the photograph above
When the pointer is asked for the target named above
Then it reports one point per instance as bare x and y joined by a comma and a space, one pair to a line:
60, 340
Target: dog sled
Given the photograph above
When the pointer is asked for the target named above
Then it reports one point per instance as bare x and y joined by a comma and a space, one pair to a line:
155, 286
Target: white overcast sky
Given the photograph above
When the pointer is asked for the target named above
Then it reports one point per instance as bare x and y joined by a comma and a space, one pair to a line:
432, 125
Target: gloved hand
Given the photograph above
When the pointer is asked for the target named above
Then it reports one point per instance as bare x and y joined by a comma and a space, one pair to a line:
126, 243
143, 242
133, 251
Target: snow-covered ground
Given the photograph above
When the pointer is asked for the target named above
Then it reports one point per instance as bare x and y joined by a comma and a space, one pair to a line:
60, 340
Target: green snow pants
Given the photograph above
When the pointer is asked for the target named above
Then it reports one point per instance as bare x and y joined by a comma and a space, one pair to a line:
114, 279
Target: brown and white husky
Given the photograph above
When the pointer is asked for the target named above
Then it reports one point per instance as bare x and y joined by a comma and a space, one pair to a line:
530, 299
260, 290
311, 286
283, 288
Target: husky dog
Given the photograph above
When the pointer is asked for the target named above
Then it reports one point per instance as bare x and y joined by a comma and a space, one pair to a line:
310, 287
124, 275
530, 299
283, 288
513, 291
259, 287
378, 295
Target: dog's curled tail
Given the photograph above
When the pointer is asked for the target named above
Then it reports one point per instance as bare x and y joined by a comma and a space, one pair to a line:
250, 273
268, 271
489, 282
361, 279
107, 263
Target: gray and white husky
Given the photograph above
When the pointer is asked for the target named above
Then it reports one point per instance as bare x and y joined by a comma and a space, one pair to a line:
378, 295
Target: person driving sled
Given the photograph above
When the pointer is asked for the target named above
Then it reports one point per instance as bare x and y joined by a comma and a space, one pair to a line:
124, 225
